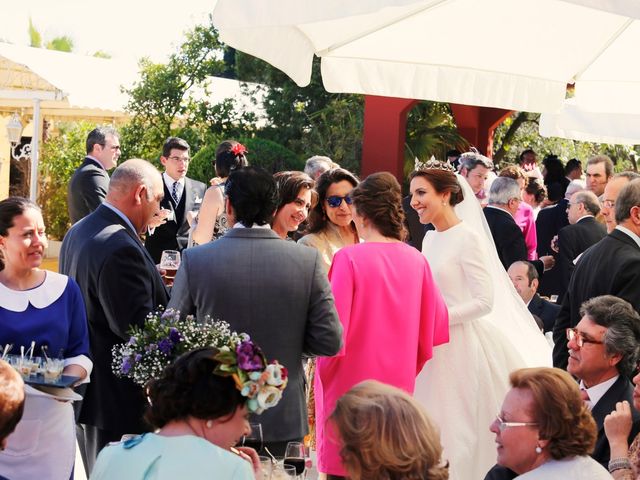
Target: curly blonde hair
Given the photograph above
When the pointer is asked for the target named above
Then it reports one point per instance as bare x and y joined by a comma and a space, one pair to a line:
561, 415
386, 435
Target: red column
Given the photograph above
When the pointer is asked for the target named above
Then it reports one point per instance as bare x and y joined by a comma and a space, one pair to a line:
477, 124
385, 124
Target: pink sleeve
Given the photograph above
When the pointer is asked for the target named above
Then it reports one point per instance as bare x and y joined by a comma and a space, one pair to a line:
341, 278
531, 237
434, 320
525, 219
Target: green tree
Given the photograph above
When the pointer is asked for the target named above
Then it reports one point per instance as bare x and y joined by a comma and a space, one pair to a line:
61, 44
35, 39
431, 130
172, 99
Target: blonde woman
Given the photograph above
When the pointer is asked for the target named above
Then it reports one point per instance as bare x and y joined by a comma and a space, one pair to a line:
385, 434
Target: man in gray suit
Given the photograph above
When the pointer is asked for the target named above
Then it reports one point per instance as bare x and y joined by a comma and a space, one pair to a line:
90, 182
274, 290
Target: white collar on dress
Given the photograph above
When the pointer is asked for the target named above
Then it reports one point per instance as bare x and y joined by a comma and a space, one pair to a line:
40, 297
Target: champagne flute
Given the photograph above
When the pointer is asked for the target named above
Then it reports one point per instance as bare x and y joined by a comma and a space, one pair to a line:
295, 456
170, 262
254, 439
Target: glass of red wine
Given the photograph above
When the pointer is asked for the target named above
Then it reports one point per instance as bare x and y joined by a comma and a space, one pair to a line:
295, 457
254, 439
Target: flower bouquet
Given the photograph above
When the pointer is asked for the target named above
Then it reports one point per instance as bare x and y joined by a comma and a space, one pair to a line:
165, 336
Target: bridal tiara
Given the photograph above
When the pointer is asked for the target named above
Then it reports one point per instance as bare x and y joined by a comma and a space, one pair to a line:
433, 164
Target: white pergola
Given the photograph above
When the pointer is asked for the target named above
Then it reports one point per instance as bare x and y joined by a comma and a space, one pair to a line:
37, 83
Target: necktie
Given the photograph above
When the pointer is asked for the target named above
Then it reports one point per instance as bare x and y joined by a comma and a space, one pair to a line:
174, 192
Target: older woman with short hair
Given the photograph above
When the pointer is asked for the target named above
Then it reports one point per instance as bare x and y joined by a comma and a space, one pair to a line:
544, 430
385, 434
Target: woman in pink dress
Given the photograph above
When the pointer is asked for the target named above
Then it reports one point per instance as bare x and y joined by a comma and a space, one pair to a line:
391, 311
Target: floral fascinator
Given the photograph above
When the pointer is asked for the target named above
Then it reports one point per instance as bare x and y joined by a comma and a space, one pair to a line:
261, 382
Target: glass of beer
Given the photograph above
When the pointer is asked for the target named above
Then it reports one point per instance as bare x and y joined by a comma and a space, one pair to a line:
170, 262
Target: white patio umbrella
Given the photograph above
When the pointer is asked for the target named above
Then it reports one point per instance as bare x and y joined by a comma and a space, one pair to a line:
512, 54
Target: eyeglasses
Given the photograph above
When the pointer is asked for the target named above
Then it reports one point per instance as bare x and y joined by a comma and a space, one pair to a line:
608, 203
335, 201
179, 159
574, 333
502, 425
111, 147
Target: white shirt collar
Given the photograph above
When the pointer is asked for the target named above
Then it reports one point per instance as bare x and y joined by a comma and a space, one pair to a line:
40, 297
255, 225
121, 215
96, 160
597, 391
168, 181
633, 236
584, 216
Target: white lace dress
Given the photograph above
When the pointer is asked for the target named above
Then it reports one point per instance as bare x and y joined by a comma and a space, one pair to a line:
463, 385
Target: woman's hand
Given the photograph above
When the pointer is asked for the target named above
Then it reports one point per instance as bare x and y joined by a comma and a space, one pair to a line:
75, 371
617, 427
250, 455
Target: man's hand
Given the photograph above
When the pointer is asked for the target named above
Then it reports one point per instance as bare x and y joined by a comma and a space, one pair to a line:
548, 261
160, 218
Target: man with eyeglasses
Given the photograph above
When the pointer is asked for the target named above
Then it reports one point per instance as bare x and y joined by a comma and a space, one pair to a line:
90, 182
603, 354
181, 196
611, 192
610, 267
584, 231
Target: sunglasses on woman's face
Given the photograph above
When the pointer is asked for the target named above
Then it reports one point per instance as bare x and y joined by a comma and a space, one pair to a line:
335, 201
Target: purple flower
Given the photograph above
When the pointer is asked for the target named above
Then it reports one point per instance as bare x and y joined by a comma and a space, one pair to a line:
165, 346
138, 357
250, 356
132, 340
174, 335
126, 366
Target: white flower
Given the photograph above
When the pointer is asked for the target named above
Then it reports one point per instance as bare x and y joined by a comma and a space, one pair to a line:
275, 374
268, 397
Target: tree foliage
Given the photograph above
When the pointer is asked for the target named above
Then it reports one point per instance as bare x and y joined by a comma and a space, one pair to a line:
61, 154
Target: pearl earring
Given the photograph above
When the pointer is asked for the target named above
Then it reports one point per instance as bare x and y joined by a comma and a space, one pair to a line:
538, 450
209, 423
444, 203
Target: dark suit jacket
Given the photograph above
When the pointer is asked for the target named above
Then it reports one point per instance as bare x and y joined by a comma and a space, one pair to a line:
549, 222
87, 189
120, 286
508, 238
277, 292
610, 267
544, 309
572, 241
174, 234
621, 390
498, 472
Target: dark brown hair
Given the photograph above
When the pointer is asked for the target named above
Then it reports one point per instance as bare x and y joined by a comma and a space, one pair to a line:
188, 387
11, 208
378, 198
442, 181
289, 185
317, 217
226, 160
562, 417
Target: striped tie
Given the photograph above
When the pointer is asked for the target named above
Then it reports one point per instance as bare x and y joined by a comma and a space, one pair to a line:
174, 192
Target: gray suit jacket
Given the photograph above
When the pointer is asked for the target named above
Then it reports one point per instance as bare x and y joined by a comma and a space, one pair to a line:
87, 189
278, 293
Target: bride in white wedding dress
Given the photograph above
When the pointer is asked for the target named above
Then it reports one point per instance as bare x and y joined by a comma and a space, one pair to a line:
491, 331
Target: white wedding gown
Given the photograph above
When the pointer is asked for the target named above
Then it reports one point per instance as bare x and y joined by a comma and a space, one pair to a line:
491, 333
